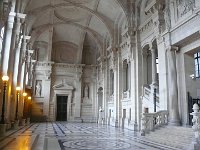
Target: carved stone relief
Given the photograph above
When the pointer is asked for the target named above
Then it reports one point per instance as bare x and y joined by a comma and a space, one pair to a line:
64, 52
184, 6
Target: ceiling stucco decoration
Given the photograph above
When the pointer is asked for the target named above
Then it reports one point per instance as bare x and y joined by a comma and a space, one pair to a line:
73, 13
71, 20
79, 1
65, 52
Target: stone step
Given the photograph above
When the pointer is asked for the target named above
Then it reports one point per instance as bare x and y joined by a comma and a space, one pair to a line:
177, 137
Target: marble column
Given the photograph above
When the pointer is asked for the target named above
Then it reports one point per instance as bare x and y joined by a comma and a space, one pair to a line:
144, 66
23, 65
154, 70
133, 121
174, 118
7, 43
119, 91
29, 67
15, 45
77, 110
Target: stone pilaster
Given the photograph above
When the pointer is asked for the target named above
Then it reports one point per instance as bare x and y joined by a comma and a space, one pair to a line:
77, 111
154, 70
144, 66
174, 118
29, 67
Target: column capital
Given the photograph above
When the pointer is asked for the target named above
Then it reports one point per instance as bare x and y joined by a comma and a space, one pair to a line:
153, 50
26, 37
20, 15
30, 51
172, 48
144, 52
12, 14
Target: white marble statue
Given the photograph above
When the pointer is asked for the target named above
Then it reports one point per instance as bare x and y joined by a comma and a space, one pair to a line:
86, 91
101, 115
38, 89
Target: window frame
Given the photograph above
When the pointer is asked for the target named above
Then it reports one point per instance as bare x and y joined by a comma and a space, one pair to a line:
197, 64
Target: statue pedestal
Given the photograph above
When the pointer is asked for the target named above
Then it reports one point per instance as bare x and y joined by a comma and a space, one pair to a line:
23, 122
16, 124
27, 121
86, 100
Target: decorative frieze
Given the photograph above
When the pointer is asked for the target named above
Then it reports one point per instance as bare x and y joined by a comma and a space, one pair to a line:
146, 26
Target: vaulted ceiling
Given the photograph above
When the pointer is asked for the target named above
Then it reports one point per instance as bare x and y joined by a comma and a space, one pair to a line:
72, 20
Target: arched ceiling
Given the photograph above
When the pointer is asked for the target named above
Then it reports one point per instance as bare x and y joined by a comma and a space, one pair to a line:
72, 19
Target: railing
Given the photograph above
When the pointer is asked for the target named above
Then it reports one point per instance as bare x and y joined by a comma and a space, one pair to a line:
151, 121
147, 92
196, 126
148, 99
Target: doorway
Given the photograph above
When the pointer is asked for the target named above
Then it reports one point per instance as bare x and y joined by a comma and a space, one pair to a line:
61, 108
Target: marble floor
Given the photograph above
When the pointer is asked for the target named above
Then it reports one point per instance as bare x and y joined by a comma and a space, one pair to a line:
75, 136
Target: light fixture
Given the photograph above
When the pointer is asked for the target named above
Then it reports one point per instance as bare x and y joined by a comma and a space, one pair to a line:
18, 91
29, 98
18, 88
24, 94
5, 78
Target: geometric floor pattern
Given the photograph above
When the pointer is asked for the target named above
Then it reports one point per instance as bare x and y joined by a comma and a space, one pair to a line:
76, 136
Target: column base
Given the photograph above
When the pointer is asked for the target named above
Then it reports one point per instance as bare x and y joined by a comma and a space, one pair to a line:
78, 119
23, 121
173, 122
2, 129
27, 121
16, 124
133, 126
194, 146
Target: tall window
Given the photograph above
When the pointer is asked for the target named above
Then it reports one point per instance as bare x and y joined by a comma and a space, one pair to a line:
197, 64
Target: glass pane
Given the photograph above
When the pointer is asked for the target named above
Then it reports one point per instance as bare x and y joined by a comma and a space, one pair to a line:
196, 67
196, 62
197, 74
195, 55
157, 61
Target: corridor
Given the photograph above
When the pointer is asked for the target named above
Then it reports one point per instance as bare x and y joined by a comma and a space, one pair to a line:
75, 136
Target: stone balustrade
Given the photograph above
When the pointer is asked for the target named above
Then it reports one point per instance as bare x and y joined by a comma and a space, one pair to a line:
151, 121
196, 127
147, 92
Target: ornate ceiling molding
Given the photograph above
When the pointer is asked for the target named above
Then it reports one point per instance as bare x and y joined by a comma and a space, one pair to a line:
41, 29
105, 20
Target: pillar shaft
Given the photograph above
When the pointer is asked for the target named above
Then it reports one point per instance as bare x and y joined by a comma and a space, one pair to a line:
154, 70
7, 43
174, 118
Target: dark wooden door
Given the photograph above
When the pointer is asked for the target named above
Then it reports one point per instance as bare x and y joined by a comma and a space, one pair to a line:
61, 108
